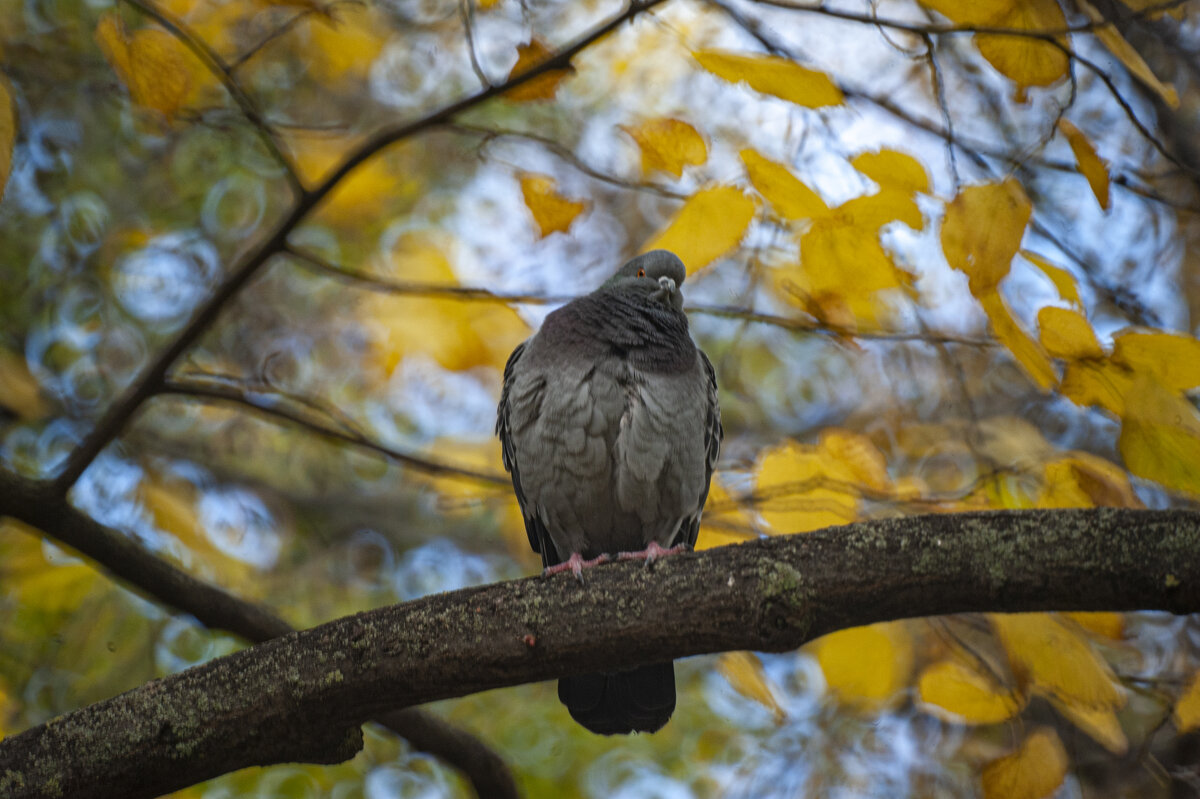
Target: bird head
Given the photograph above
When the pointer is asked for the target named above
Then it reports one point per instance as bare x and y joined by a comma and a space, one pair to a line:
658, 274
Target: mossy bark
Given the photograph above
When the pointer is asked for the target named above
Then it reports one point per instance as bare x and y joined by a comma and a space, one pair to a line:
301, 697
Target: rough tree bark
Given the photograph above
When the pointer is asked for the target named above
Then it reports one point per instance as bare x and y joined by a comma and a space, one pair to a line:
303, 696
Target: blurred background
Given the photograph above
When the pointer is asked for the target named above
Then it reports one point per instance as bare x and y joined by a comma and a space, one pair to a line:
937, 267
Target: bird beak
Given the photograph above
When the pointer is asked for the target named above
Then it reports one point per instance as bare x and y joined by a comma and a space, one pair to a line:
666, 290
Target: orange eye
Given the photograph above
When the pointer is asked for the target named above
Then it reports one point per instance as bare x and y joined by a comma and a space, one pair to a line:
641, 273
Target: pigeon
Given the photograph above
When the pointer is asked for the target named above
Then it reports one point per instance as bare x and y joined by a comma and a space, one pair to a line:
610, 428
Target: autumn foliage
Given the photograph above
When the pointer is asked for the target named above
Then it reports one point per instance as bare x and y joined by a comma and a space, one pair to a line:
954, 272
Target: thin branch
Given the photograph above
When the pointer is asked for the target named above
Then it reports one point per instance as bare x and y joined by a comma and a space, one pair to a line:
258, 46
303, 696
467, 12
566, 155
939, 93
222, 72
977, 150
151, 378
37, 505
474, 294
1107, 80
934, 29
195, 387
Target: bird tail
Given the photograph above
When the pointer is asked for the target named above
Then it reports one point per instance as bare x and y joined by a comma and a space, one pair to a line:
638, 700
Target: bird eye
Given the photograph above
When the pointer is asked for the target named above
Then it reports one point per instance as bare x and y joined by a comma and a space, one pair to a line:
641, 273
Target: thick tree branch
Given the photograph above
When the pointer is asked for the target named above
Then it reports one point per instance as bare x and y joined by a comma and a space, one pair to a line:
302, 697
38, 505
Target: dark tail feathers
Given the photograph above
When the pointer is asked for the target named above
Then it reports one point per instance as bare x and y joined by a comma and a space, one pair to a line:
639, 700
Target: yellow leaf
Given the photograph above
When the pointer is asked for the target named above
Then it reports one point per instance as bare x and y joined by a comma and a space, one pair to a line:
1067, 334
710, 224
1160, 436
1032, 772
1091, 166
796, 490
975, 13
149, 62
345, 46
1101, 383
806, 488
1104, 623
1027, 352
846, 260
545, 85
789, 196
1172, 358
39, 574
552, 212
458, 335
8, 710
1061, 278
773, 75
19, 390
373, 183
1083, 480
1153, 9
1056, 660
8, 132
313, 6
982, 231
1025, 60
668, 145
873, 211
724, 520
1187, 709
1100, 723
866, 666
956, 693
853, 457
744, 671
1127, 55
893, 169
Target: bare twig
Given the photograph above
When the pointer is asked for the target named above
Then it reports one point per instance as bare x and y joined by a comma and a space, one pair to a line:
294, 20
933, 29
474, 294
222, 72
567, 155
467, 12
207, 388
151, 378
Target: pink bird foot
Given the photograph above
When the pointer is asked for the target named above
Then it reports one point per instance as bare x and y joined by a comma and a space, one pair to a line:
653, 552
576, 564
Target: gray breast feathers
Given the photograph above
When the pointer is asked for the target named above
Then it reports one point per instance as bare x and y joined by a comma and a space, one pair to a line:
604, 456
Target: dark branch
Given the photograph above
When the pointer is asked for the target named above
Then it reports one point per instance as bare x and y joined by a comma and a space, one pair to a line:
303, 696
225, 75
475, 294
37, 505
151, 379
922, 29
266, 403
567, 155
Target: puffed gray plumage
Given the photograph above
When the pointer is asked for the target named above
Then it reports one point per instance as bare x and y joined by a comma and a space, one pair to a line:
610, 428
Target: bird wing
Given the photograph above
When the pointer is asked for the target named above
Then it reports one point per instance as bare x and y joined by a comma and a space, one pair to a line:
713, 434
538, 536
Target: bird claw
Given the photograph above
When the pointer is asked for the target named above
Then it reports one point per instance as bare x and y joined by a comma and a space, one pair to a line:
575, 564
653, 552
